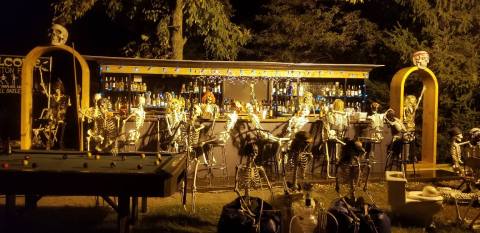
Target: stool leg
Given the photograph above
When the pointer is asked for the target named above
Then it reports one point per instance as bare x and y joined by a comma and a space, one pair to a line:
225, 165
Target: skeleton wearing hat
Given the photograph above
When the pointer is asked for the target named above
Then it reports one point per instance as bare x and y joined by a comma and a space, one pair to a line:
455, 148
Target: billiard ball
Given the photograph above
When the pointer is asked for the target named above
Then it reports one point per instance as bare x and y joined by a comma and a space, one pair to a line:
142, 155
89, 155
139, 166
34, 165
65, 156
85, 165
25, 162
157, 162
5, 165
97, 157
113, 164
27, 157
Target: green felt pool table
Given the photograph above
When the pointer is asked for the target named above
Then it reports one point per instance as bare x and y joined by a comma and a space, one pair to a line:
126, 176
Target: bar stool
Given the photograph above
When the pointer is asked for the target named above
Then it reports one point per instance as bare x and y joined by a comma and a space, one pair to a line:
331, 147
399, 154
213, 162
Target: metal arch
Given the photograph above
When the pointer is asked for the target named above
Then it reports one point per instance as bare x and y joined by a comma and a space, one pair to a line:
430, 108
27, 84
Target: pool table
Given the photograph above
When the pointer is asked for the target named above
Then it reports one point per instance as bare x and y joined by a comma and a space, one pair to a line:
126, 176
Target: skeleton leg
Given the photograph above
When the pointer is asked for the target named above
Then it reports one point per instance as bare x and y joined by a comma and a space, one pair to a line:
367, 176
327, 156
244, 204
194, 184
261, 169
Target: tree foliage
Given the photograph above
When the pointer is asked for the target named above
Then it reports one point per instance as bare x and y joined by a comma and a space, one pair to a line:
151, 20
310, 31
449, 31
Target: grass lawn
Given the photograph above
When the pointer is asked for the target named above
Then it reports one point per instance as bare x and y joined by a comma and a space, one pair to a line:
79, 214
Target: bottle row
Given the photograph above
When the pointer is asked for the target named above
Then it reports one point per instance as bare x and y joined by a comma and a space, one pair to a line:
201, 87
113, 83
335, 89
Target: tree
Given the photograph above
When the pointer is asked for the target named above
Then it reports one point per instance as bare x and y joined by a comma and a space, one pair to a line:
313, 31
163, 26
449, 31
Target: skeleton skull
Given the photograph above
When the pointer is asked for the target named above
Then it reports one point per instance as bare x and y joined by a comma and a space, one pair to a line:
58, 34
421, 59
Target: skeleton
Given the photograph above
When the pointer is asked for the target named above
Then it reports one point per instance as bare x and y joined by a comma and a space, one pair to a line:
54, 114
421, 59
400, 137
456, 149
299, 158
139, 114
191, 132
409, 110
58, 35
350, 167
335, 124
474, 149
105, 126
282, 142
174, 117
296, 123
209, 108
249, 176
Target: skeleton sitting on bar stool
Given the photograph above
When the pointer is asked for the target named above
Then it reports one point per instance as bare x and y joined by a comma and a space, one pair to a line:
299, 157
375, 137
335, 125
396, 151
174, 117
249, 176
281, 142
349, 167
297, 121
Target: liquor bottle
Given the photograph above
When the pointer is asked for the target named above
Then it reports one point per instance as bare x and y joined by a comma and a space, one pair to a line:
274, 90
106, 84
121, 84
148, 99
114, 84
183, 89
161, 100
289, 89
196, 90
117, 105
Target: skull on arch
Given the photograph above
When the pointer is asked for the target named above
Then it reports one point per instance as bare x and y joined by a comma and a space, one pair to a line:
58, 34
421, 59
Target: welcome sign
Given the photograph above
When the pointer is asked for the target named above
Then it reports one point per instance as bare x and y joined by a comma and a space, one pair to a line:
11, 69
10, 83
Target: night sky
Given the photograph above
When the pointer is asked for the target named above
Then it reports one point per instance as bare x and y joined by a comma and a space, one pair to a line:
24, 24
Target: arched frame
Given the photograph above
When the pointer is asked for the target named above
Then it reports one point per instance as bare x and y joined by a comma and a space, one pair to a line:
430, 108
27, 84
